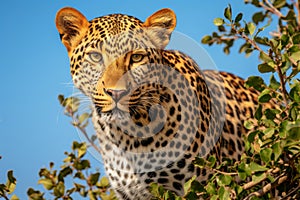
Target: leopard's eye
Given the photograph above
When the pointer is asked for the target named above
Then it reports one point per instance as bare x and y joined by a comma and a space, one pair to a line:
136, 58
95, 57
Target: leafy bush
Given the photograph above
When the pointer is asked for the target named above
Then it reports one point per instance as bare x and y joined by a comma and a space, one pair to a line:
270, 167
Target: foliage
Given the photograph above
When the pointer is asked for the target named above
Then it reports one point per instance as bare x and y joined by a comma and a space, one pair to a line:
270, 167
85, 183
75, 169
7, 189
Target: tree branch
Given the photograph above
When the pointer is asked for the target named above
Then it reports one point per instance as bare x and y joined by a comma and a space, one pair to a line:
252, 184
83, 131
268, 6
268, 187
297, 6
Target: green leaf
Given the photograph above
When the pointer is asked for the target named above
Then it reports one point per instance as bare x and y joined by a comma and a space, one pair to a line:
256, 82
188, 184
83, 117
218, 21
295, 93
264, 57
271, 113
277, 149
76, 145
223, 193
265, 155
207, 39
47, 183
251, 28
197, 187
10, 177
59, 190
296, 39
11, 182
238, 17
279, 3
251, 136
104, 182
243, 171
93, 178
211, 161
190, 196
264, 96
81, 165
199, 162
254, 167
283, 129
294, 131
248, 124
265, 68
263, 41
35, 194
284, 40
211, 188
294, 112
274, 84
271, 178
258, 112
61, 99
295, 56
14, 197
244, 47
214, 197
72, 104
82, 150
79, 175
225, 179
256, 178
258, 17
11, 188
228, 13
92, 195
64, 172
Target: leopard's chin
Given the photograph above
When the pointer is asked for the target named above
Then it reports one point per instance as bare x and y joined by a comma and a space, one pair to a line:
113, 115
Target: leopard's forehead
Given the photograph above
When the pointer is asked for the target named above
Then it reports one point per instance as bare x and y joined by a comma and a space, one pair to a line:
115, 35
112, 26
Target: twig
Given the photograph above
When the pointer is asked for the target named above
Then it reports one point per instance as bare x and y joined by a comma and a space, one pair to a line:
297, 5
252, 184
88, 139
278, 63
292, 192
281, 179
83, 131
282, 85
224, 173
268, 6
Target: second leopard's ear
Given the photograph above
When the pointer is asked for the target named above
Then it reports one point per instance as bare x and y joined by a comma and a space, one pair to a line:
72, 27
160, 25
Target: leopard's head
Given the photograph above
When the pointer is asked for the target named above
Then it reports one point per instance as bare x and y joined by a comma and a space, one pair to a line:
115, 55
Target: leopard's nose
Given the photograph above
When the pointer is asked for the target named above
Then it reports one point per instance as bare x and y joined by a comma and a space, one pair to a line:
116, 94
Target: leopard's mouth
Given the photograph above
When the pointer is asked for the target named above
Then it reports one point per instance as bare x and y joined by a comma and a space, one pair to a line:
112, 115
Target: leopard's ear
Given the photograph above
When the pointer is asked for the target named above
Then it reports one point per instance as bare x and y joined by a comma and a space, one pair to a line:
161, 24
72, 27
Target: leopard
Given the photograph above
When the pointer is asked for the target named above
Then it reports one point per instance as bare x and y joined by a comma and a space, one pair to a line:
153, 109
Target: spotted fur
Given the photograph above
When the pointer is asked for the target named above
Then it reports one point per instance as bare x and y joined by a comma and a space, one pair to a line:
154, 110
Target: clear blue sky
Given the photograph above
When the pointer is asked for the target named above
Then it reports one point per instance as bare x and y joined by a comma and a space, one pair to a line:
35, 69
